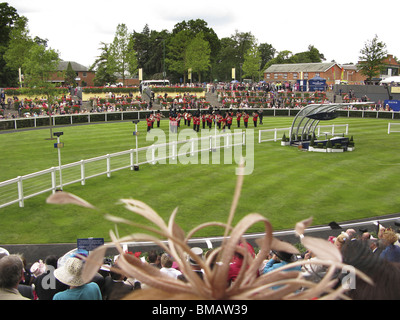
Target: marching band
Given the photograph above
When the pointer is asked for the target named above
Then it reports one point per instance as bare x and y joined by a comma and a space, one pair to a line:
221, 119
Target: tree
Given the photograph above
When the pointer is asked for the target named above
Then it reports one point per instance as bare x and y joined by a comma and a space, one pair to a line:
225, 60
252, 63
19, 44
176, 57
123, 52
311, 56
371, 59
232, 54
186, 32
39, 65
267, 52
70, 76
105, 67
149, 46
282, 57
8, 17
198, 55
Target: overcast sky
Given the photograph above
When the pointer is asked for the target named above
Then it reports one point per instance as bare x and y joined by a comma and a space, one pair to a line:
338, 29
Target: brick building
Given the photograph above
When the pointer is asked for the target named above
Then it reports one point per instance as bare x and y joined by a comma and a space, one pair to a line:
391, 67
84, 77
330, 71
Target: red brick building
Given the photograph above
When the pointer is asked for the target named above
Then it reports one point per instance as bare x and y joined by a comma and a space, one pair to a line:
330, 71
84, 77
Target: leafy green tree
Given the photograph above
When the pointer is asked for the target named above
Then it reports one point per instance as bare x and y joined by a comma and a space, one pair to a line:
8, 17
267, 52
225, 60
40, 64
149, 46
243, 42
19, 44
123, 52
176, 56
282, 57
198, 55
371, 59
310, 56
105, 67
252, 63
141, 44
186, 31
70, 76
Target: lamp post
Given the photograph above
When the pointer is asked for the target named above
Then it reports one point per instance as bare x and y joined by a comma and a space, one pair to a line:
135, 133
59, 146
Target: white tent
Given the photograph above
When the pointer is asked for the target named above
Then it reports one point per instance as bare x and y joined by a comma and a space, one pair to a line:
395, 79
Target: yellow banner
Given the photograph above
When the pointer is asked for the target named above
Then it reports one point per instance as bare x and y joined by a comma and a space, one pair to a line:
140, 74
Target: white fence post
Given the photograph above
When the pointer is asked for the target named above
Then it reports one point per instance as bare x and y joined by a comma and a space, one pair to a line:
108, 166
83, 173
53, 180
20, 192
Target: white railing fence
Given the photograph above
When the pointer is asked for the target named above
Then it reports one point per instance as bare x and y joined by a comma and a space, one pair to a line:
24, 187
272, 134
390, 127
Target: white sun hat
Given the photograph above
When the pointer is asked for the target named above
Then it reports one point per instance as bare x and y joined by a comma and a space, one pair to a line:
71, 272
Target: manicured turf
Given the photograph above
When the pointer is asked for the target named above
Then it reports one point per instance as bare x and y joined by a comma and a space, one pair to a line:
287, 185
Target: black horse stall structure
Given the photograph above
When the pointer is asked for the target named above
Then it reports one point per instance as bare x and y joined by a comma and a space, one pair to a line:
305, 123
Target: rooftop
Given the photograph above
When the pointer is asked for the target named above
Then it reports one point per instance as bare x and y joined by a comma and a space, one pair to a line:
300, 67
62, 66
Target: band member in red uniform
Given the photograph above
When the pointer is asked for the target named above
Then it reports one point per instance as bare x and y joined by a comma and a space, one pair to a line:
173, 123
203, 119
178, 118
218, 118
188, 119
149, 122
223, 121
238, 116
255, 118
158, 118
209, 120
229, 120
195, 122
245, 119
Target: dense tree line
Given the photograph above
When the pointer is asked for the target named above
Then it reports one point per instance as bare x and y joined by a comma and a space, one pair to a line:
191, 51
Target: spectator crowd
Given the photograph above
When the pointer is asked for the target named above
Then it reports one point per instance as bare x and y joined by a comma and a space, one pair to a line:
376, 255
230, 95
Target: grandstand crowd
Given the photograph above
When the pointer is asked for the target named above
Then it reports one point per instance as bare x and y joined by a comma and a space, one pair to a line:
59, 278
230, 95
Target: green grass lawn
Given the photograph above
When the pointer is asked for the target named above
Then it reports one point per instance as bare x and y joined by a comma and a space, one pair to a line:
286, 186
